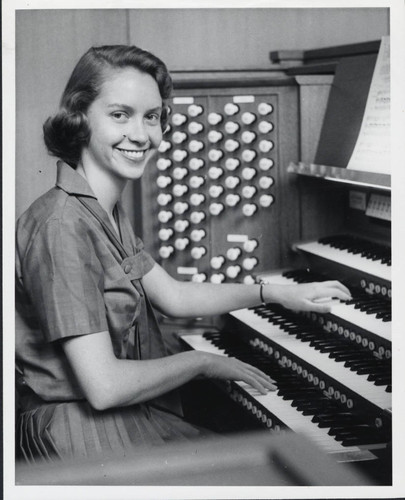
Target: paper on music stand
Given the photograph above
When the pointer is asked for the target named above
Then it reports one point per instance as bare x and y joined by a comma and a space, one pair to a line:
372, 150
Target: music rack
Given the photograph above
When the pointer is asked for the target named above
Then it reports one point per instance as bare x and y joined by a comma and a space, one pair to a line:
337, 174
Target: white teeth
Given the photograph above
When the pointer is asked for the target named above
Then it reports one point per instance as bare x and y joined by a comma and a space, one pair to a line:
133, 155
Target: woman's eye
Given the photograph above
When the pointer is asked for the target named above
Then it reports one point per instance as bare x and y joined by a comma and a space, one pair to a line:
153, 117
118, 116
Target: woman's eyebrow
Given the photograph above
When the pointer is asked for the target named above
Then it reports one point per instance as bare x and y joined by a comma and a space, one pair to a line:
129, 108
119, 105
155, 109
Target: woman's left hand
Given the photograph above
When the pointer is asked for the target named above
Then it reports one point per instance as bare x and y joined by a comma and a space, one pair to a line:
316, 297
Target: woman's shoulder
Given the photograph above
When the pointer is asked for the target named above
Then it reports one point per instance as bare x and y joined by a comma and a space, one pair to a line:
55, 207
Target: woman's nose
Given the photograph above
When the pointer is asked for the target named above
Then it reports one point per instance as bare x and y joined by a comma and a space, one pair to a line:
137, 131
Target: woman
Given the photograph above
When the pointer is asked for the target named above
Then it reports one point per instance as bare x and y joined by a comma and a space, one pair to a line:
93, 376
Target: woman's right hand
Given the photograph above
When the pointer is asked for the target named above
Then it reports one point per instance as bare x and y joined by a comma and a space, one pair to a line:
225, 368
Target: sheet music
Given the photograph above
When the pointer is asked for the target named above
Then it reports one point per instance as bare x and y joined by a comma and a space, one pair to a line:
372, 150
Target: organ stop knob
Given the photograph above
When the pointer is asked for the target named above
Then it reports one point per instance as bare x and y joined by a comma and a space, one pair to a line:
181, 225
164, 199
217, 262
232, 164
179, 119
264, 108
195, 110
195, 146
215, 191
231, 109
214, 118
166, 251
233, 253
216, 208
195, 127
165, 234
196, 163
163, 163
233, 271
217, 278
231, 127
265, 127
181, 243
164, 216
197, 235
198, 252
248, 118
179, 137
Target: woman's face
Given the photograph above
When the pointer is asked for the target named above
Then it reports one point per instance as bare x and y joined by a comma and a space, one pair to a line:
124, 123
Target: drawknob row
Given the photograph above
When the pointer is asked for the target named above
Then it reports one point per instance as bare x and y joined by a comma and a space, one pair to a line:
230, 109
215, 173
215, 154
195, 164
215, 136
215, 209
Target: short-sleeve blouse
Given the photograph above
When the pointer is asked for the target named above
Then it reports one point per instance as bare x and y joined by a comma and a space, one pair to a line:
76, 276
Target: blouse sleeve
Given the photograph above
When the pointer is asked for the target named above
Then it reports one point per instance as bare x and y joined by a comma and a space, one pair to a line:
145, 260
64, 279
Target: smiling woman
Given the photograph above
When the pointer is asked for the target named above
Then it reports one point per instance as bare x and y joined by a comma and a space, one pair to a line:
125, 133
93, 374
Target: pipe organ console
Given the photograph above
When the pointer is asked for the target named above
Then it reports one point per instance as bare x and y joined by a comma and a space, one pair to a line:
230, 203
219, 178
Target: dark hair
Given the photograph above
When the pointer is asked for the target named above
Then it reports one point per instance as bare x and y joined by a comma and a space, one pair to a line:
67, 132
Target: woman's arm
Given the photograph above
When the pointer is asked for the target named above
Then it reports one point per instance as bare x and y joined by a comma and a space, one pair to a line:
186, 299
109, 382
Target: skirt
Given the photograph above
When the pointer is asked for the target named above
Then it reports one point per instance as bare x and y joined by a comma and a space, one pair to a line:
74, 429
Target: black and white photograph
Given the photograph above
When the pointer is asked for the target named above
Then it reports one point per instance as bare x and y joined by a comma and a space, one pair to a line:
202, 249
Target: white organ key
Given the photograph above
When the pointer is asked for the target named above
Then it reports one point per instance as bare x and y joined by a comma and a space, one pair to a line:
321, 362
199, 343
348, 259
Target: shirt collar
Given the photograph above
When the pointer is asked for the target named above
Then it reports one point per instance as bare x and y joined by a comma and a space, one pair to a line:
71, 182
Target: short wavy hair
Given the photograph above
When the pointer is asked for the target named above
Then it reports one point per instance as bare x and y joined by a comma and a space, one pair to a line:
67, 132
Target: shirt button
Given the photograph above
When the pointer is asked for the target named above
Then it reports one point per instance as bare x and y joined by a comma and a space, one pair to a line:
127, 269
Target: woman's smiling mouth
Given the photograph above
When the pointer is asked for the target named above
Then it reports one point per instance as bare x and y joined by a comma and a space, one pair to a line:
133, 154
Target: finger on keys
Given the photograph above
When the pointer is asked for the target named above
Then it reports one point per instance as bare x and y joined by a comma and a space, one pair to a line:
260, 380
339, 287
262, 386
261, 373
323, 305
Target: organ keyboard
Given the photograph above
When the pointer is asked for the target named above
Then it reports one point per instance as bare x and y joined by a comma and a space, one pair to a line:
295, 404
333, 370
356, 254
371, 315
306, 347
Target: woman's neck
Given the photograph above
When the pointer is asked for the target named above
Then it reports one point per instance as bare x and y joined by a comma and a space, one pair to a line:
108, 189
